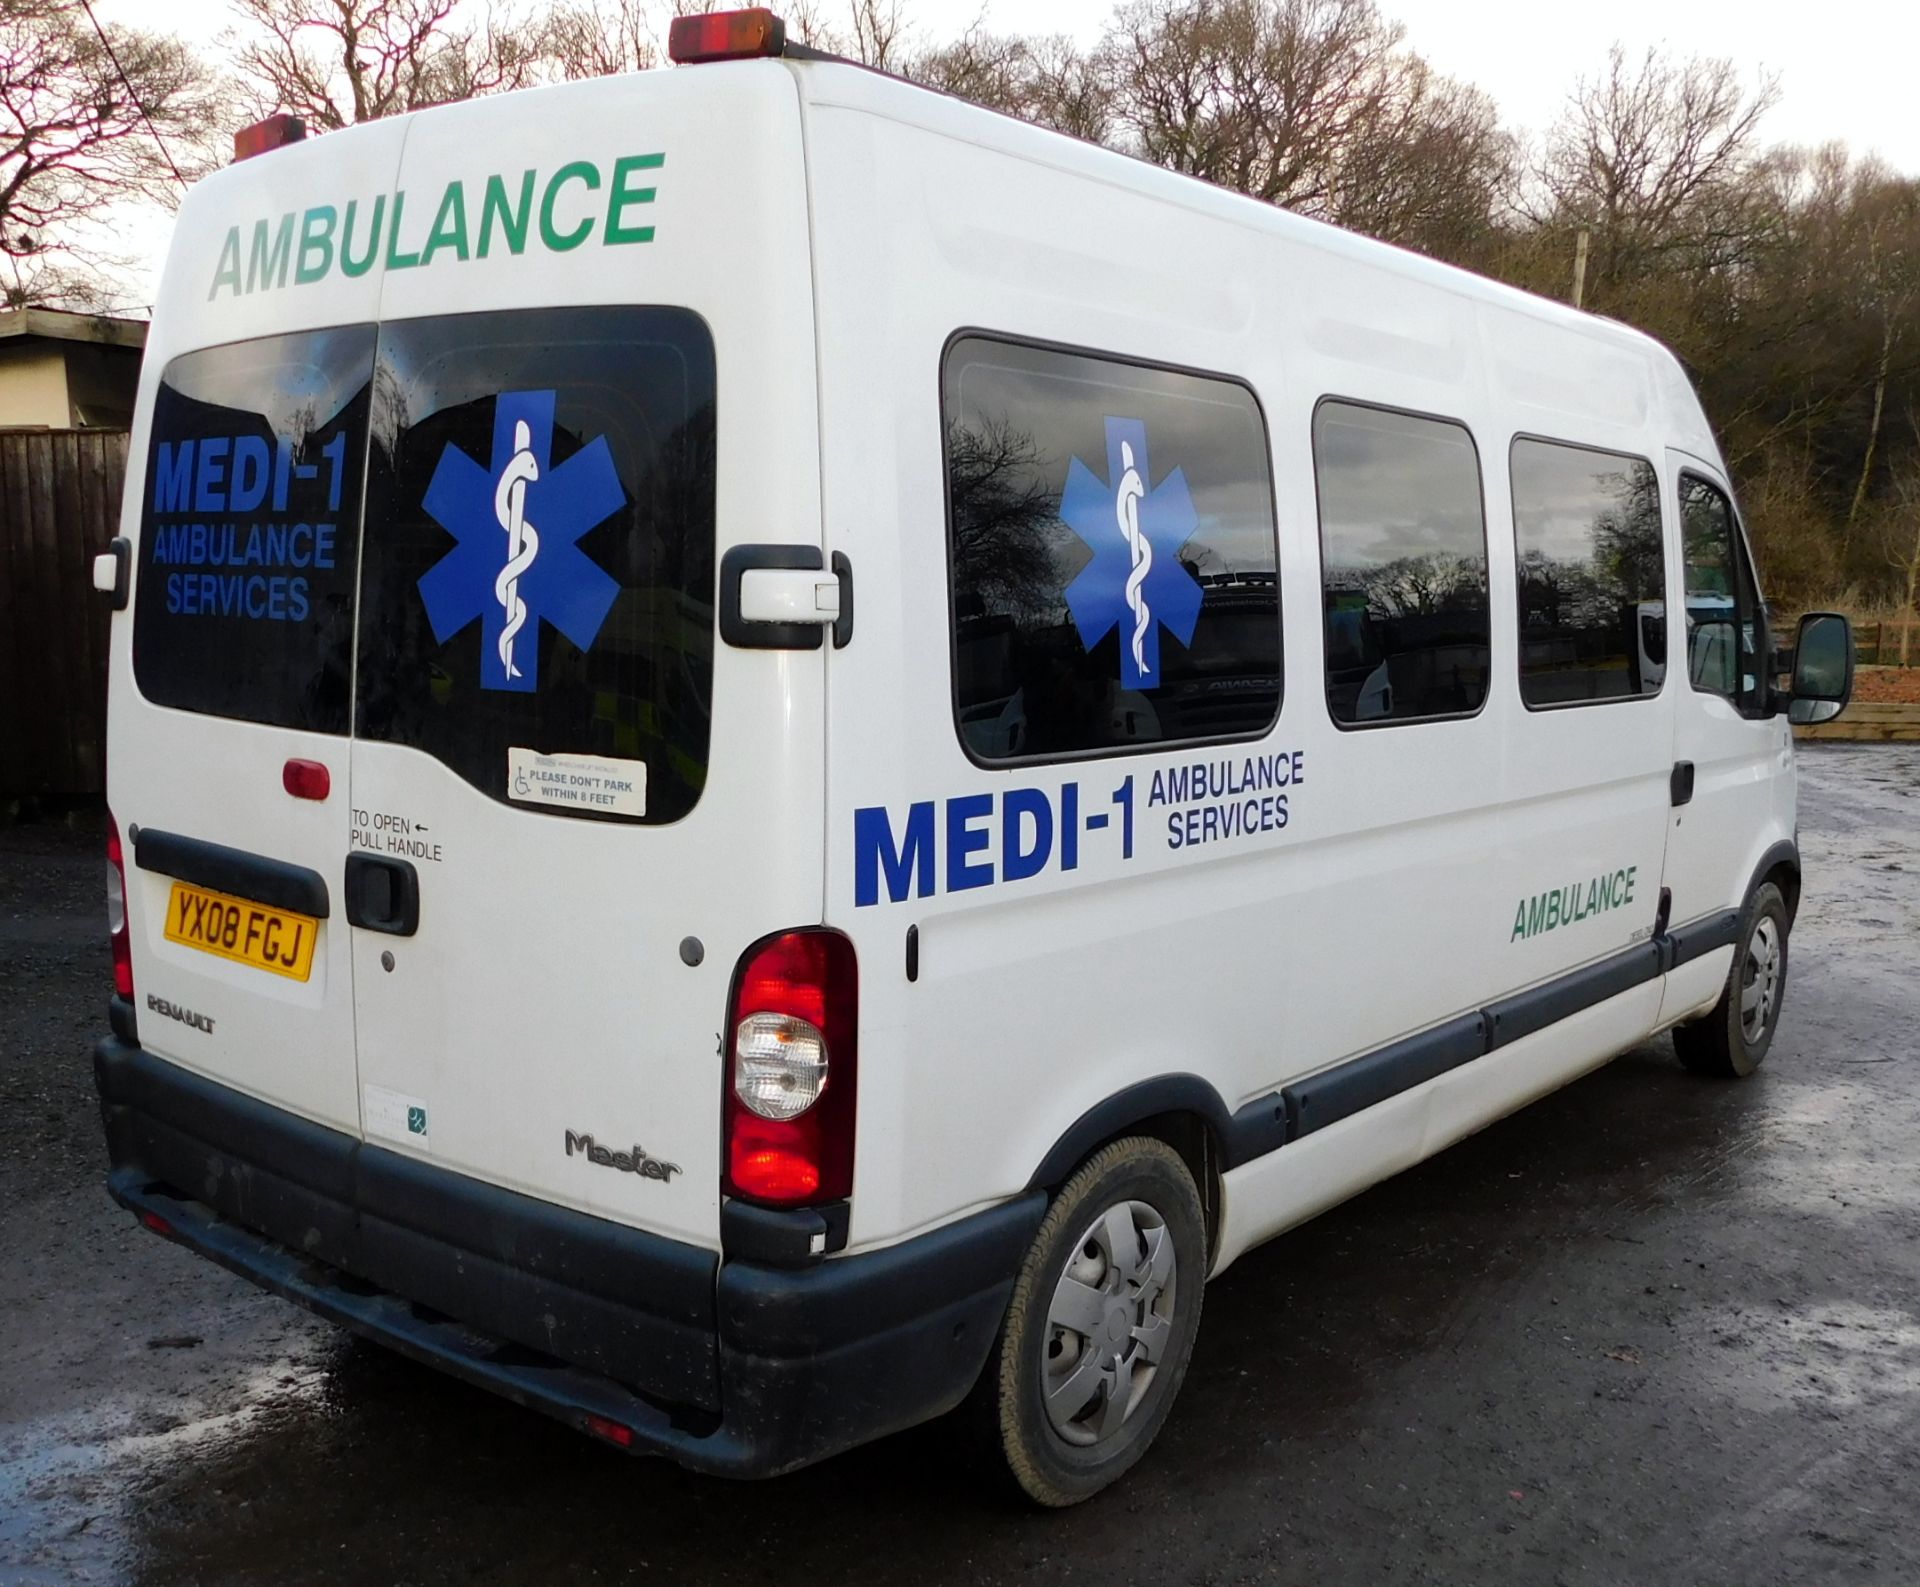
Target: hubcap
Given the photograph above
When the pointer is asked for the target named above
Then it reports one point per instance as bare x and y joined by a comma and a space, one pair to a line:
1109, 1323
1760, 980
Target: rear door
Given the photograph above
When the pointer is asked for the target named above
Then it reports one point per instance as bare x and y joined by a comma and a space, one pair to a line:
571, 809
243, 506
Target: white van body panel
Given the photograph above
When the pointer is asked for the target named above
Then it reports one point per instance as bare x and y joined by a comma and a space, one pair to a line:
1386, 905
283, 1041
545, 992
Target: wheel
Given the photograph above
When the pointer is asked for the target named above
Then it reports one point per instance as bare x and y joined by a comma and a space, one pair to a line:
1732, 1040
1100, 1327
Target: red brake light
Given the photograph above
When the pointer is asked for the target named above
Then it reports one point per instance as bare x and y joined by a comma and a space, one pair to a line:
306, 779
273, 133
792, 1033
117, 934
725, 36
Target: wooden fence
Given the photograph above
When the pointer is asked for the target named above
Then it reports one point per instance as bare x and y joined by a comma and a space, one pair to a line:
1868, 721
1895, 644
59, 506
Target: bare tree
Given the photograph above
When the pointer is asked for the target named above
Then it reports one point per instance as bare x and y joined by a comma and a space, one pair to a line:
1048, 81
339, 62
1651, 158
1312, 104
601, 38
79, 134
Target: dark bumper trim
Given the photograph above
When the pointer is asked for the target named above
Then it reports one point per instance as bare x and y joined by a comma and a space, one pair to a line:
736, 1369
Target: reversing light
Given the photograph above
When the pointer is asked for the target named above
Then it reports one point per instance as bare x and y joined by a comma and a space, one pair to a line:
725, 36
791, 1067
273, 133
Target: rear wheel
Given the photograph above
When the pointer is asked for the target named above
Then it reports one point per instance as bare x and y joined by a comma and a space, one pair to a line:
1101, 1324
1732, 1040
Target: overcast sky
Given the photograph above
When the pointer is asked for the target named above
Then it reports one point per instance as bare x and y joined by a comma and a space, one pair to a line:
1847, 69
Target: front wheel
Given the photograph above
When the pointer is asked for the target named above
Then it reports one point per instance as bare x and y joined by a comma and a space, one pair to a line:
1732, 1040
1101, 1324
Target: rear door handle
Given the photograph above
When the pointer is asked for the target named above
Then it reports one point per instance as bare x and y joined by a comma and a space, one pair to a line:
383, 894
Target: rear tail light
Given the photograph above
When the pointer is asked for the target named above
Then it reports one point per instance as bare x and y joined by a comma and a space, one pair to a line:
791, 1070
117, 934
725, 36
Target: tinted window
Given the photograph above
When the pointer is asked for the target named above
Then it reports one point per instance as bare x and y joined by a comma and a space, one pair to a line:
1724, 638
573, 618
250, 525
1403, 558
1112, 554
1592, 574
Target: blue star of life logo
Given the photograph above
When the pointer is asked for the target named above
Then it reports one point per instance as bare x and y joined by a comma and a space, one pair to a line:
1135, 582
518, 562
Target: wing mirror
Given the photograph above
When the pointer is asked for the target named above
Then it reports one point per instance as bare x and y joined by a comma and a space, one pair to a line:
1822, 668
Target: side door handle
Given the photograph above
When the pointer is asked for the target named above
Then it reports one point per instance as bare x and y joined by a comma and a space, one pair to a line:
1680, 785
383, 894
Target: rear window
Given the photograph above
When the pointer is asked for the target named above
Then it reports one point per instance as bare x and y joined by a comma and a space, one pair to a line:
538, 569
250, 527
535, 571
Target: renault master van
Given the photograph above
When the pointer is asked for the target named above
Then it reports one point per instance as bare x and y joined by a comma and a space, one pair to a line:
785, 756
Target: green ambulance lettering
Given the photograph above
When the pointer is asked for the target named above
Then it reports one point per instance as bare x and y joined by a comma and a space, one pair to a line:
449, 225
1567, 906
301, 247
316, 237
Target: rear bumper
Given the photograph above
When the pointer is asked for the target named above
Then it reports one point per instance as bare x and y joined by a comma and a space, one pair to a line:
728, 1367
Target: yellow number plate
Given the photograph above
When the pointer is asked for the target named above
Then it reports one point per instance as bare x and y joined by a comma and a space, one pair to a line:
239, 929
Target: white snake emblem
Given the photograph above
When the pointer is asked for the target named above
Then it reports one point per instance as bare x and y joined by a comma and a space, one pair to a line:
1126, 510
523, 540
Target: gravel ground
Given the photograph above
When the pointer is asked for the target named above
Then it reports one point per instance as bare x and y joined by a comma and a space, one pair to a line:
1651, 1330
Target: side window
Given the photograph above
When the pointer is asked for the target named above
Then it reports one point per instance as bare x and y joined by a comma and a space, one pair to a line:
1592, 574
1725, 637
1111, 545
1403, 565
250, 530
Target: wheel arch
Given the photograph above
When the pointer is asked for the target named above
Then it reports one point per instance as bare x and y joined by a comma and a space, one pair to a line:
1781, 866
1182, 1110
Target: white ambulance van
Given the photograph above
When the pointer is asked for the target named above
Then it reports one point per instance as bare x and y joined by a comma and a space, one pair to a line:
785, 755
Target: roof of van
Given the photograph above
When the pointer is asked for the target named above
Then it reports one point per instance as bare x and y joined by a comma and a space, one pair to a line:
848, 85
853, 86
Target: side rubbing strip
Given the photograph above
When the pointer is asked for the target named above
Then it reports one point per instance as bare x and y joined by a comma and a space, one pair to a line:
1703, 936
1351, 1087
233, 871
1267, 1123
1526, 1012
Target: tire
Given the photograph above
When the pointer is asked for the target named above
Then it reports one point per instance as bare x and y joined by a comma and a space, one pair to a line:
1141, 1312
1731, 1042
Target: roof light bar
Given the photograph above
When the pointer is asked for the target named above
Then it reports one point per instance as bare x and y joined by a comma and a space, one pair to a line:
273, 133
725, 36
